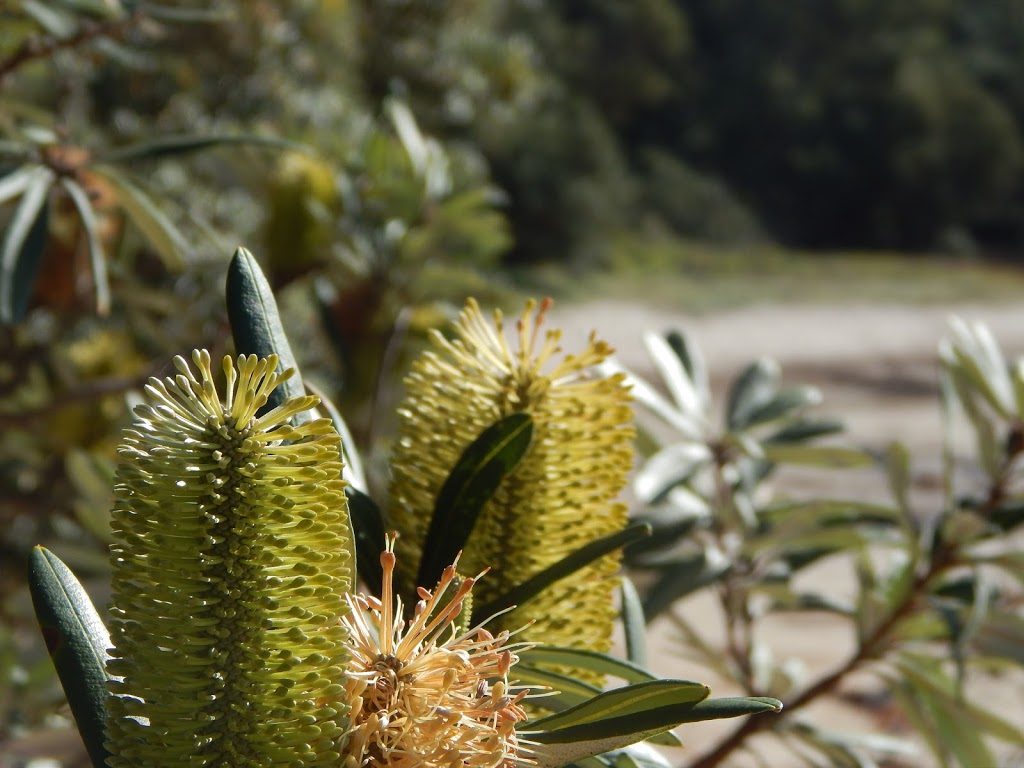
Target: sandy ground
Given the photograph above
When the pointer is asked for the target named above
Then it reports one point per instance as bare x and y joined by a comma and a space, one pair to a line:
876, 366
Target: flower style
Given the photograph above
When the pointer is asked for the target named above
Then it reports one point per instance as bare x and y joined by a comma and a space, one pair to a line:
558, 498
429, 694
232, 557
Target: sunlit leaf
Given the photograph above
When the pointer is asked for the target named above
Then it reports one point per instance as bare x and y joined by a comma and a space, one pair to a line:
669, 466
23, 245
97, 259
633, 625
77, 642
522, 593
256, 324
472, 481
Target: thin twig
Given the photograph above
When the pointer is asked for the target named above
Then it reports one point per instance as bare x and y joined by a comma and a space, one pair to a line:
43, 46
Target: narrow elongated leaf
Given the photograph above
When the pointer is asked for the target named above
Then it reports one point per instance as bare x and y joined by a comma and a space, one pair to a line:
470, 485
23, 244
805, 429
671, 465
368, 532
77, 642
583, 659
353, 472
673, 372
565, 691
154, 225
256, 324
739, 706
679, 580
585, 555
633, 625
16, 182
784, 403
693, 362
649, 707
752, 390
170, 146
97, 259
830, 456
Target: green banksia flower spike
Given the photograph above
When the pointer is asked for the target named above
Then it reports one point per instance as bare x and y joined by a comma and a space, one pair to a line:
232, 557
559, 497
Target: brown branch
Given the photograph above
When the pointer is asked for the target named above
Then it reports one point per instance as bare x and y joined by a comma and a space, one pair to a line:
869, 649
43, 46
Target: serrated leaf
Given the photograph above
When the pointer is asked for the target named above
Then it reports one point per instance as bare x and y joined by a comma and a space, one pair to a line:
154, 225
256, 324
524, 592
77, 642
472, 481
753, 389
171, 146
633, 624
23, 245
97, 259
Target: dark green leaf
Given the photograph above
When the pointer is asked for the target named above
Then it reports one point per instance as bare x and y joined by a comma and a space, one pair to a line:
588, 553
717, 709
805, 429
368, 531
784, 403
97, 259
752, 390
77, 642
633, 625
171, 146
256, 324
656, 705
23, 245
570, 691
594, 661
679, 580
470, 485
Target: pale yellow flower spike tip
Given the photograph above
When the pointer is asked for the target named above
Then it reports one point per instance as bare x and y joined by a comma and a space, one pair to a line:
428, 694
232, 557
562, 494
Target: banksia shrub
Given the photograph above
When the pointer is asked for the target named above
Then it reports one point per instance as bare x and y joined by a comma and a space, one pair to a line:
559, 497
233, 554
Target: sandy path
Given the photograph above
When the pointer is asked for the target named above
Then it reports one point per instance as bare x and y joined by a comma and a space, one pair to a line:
876, 368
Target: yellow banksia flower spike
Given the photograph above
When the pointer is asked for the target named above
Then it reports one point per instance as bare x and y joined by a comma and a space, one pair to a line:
232, 555
427, 693
559, 497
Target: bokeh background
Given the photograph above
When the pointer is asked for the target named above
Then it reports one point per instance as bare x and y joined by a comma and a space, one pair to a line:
820, 181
